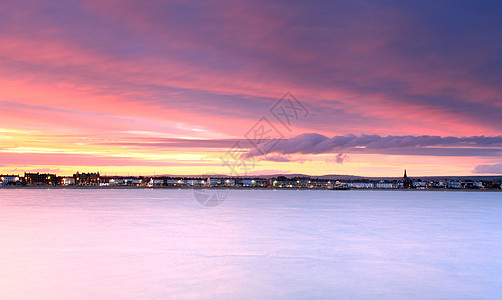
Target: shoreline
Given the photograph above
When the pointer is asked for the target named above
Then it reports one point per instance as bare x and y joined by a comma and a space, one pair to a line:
48, 187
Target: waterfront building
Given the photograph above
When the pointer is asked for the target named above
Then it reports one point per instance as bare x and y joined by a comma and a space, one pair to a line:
41, 179
302, 182
454, 184
195, 182
419, 184
10, 179
116, 181
253, 182
67, 181
132, 181
384, 185
174, 182
86, 178
407, 182
229, 182
440, 184
360, 185
283, 182
214, 181
156, 182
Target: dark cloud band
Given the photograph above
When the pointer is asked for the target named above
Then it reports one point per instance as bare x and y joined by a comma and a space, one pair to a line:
313, 143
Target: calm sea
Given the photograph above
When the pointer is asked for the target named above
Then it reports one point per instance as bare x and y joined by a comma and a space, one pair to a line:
262, 244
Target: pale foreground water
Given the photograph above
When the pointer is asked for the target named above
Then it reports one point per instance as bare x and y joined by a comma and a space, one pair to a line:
261, 244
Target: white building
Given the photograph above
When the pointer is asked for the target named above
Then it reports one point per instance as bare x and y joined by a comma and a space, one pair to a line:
175, 182
155, 182
68, 181
454, 184
360, 185
229, 182
385, 185
419, 184
220, 182
195, 182
254, 182
116, 181
214, 181
132, 181
6, 179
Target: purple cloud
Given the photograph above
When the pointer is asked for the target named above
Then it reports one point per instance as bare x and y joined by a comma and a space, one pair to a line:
443, 58
488, 169
276, 158
313, 143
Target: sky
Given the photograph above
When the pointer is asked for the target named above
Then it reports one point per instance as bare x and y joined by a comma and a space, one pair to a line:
251, 87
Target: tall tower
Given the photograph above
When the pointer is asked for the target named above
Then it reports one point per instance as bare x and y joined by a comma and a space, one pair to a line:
406, 181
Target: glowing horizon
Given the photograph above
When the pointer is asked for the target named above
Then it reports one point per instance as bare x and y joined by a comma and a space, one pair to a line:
168, 87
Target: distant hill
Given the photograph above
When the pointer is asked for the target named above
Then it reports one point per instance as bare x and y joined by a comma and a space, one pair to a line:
344, 177
331, 177
341, 177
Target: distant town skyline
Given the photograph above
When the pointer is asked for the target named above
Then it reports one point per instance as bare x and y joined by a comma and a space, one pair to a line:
296, 181
364, 88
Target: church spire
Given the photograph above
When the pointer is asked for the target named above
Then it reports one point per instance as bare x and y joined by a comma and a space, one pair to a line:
407, 182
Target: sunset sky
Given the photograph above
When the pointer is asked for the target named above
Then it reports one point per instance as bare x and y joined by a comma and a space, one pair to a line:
170, 87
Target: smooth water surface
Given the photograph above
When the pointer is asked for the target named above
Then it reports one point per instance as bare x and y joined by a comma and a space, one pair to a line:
258, 244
